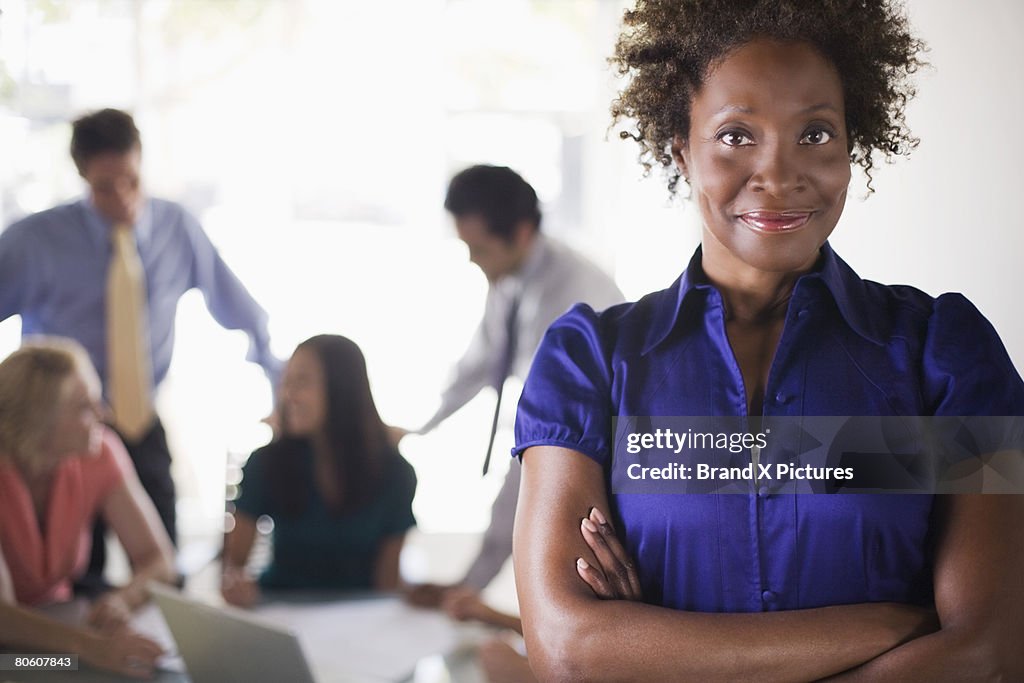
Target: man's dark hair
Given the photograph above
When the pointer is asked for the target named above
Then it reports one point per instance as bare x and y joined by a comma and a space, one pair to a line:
496, 193
107, 130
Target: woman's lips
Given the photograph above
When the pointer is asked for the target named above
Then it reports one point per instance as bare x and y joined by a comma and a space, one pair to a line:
775, 221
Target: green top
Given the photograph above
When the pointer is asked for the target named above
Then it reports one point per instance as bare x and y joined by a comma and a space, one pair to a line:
319, 549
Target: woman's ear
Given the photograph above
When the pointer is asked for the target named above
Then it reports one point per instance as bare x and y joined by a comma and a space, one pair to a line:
679, 154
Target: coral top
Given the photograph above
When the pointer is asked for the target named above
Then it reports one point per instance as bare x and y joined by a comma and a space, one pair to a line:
42, 565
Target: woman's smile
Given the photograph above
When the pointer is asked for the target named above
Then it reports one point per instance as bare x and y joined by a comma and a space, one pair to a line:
775, 222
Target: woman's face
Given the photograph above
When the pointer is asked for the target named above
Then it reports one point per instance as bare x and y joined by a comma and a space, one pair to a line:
76, 427
766, 156
304, 394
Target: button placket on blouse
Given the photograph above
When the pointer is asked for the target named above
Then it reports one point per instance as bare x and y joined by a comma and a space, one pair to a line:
769, 507
716, 326
735, 396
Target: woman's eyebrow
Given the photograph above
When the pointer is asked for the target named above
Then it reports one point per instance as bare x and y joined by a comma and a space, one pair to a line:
734, 109
743, 109
819, 107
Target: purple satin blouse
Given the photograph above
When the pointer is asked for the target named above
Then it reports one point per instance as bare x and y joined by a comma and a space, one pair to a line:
849, 347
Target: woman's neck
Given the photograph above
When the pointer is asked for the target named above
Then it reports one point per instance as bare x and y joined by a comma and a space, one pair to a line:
38, 481
36, 469
750, 295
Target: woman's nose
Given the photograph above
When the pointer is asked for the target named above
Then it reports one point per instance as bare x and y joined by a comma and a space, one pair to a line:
778, 171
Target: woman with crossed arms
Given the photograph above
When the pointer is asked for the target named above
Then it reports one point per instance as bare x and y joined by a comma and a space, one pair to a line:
762, 108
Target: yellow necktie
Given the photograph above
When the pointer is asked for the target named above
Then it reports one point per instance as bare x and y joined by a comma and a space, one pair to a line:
129, 372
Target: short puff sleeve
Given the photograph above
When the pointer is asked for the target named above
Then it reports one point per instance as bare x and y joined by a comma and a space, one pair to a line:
968, 375
566, 400
967, 371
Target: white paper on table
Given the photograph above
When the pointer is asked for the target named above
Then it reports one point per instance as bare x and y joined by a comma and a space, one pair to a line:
377, 637
149, 622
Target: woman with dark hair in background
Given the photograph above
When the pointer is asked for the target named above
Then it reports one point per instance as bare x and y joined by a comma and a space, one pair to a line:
339, 494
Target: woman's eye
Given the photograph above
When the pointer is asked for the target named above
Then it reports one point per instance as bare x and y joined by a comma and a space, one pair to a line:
734, 138
817, 136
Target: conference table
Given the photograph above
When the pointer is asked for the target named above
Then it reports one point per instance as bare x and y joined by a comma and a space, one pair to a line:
346, 639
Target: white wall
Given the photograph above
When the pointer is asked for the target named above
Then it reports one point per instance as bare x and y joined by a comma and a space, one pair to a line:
949, 217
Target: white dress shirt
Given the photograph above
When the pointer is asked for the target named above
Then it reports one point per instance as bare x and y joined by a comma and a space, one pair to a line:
553, 278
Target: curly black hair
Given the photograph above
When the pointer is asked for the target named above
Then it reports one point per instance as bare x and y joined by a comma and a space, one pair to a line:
667, 47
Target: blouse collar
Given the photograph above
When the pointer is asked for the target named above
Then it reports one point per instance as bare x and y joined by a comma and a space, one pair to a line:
683, 300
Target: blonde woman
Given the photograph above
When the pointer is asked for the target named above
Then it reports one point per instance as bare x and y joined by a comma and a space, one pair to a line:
60, 468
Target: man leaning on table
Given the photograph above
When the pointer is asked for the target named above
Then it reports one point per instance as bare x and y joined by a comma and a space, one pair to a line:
108, 270
532, 280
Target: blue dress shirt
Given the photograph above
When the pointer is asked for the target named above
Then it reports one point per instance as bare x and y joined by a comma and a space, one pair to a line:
53, 272
849, 347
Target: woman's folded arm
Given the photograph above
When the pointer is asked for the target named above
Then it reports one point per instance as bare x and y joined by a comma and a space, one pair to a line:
979, 597
571, 634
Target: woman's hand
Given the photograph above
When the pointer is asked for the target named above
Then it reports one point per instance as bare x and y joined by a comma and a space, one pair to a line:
238, 588
614, 577
109, 612
124, 652
463, 603
427, 595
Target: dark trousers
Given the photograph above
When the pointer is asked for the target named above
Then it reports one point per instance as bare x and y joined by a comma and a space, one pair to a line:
152, 460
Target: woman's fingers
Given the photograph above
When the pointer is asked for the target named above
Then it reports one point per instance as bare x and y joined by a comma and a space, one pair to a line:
619, 551
140, 657
126, 653
240, 591
595, 579
609, 534
429, 595
634, 582
609, 564
625, 568
135, 668
462, 603
109, 613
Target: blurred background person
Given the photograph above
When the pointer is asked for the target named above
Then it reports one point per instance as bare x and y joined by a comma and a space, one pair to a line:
339, 494
532, 279
60, 468
108, 270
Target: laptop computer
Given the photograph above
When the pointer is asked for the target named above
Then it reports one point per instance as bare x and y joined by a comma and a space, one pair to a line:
227, 645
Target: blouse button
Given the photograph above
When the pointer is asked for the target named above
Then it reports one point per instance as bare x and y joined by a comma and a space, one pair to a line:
768, 596
762, 491
781, 398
